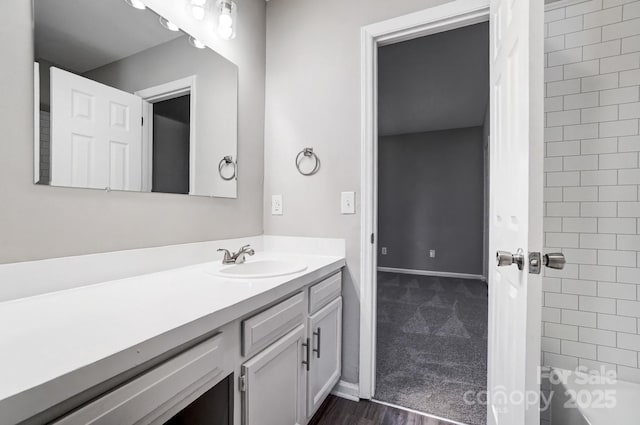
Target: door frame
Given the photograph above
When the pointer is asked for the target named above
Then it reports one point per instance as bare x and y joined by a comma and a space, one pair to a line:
437, 19
156, 94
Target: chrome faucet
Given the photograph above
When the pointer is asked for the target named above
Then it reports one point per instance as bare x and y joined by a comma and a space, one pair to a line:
237, 257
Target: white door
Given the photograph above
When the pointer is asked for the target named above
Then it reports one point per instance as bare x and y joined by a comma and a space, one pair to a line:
275, 382
96, 134
326, 354
516, 209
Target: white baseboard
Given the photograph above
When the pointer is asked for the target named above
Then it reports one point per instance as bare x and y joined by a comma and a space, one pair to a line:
347, 390
430, 273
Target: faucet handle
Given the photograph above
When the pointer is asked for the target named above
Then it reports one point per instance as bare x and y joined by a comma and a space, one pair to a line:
227, 254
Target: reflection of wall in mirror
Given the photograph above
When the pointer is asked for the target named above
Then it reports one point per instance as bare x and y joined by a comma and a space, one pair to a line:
216, 101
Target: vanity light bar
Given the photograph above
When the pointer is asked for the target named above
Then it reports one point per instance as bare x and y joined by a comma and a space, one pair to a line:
169, 25
136, 4
196, 43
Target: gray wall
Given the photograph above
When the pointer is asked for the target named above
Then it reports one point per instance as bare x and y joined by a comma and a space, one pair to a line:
313, 99
42, 222
431, 196
434, 83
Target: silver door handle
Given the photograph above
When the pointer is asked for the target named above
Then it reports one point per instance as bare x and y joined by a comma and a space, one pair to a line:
505, 258
555, 260
318, 334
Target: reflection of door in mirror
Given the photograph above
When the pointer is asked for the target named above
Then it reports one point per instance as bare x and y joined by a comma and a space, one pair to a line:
170, 163
95, 134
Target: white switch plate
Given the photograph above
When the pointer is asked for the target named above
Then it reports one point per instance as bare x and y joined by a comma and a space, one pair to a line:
384, 250
348, 203
432, 253
276, 205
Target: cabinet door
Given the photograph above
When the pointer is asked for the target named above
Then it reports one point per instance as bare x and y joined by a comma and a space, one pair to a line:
325, 329
275, 382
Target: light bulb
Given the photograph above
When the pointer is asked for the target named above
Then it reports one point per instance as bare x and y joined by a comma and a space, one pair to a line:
225, 20
197, 12
227, 12
225, 32
138, 4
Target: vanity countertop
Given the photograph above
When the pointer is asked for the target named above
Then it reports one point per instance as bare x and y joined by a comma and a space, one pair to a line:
55, 345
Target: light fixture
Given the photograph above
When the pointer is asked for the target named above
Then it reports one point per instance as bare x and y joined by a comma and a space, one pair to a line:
198, 9
227, 14
196, 43
138, 4
168, 24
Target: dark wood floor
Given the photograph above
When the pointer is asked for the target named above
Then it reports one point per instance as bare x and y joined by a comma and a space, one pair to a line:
338, 411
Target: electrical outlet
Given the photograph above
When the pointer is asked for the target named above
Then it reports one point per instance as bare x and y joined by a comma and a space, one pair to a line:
276, 205
432, 253
384, 250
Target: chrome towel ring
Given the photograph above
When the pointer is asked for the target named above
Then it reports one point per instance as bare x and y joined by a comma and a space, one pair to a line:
225, 162
308, 153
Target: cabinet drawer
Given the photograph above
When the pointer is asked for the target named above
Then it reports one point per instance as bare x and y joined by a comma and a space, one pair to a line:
148, 397
265, 328
324, 292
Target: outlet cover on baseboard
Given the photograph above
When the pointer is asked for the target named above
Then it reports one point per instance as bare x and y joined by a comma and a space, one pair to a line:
276, 205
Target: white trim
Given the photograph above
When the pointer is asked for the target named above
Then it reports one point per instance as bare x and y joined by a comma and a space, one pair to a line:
167, 91
36, 122
441, 18
147, 146
562, 3
346, 390
417, 412
431, 273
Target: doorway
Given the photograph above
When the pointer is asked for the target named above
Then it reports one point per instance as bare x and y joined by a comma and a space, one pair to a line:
433, 126
171, 126
169, 110
515, 205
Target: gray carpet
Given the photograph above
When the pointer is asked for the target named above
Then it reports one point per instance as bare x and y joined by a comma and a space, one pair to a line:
432, 344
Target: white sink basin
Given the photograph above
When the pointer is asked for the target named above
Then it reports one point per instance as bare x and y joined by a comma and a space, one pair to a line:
258, 269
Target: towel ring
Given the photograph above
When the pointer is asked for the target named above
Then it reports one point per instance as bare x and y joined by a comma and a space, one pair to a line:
224, 162
308, 153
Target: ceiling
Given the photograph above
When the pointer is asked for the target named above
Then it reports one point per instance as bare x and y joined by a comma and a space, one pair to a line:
436, 82
81, 35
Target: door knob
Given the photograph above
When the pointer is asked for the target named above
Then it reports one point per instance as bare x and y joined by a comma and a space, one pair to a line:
505, 258
555, 260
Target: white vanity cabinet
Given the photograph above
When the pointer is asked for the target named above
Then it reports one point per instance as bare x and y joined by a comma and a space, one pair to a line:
286, 382
273, 383
326, 354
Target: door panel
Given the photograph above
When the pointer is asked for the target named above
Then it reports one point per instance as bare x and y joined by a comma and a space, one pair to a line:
275, 382
96, 134
515, 208
326, 355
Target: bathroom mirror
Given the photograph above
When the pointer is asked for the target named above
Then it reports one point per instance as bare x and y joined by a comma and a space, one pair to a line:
126, 101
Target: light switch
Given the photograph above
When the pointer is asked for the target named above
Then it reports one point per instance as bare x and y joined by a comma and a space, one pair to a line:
348, 203
276, 205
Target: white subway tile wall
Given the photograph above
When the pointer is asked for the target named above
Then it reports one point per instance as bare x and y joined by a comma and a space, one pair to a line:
591, 313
